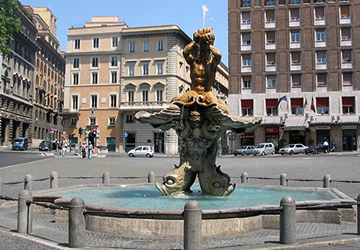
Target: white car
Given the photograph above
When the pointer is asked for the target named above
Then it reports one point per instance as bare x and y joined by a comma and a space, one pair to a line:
264, 148
295, 148
141, 151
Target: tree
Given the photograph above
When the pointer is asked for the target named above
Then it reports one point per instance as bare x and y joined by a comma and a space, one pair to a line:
9, 23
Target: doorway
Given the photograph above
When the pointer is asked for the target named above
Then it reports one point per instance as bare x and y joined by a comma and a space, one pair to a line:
129, 142
159, 142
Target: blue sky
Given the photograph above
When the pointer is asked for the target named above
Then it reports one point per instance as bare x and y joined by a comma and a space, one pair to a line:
187, 14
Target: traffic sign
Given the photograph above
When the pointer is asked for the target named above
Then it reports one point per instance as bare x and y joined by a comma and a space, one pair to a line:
51, 131
126, 134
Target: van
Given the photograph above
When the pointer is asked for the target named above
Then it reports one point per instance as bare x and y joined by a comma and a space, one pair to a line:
264, 149
20, 143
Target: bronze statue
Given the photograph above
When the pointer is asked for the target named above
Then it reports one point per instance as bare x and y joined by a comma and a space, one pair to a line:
199, 119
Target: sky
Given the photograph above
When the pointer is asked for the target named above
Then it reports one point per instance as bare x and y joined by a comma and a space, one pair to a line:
187, 14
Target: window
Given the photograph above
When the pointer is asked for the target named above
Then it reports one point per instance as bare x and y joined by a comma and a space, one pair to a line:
76, 63
269, 2
113, 76
145, 95
130, 119
321, 57
245, 17
131, 69
130, 96
271, 81
346, 56
294, 15
347, 79
271, 107
95, 43
113, 99
270, 37
246, 81
321, 79
246, 60
322, 105
114, 61
296, 58
75, 80
295, 36
294, 1
345, 33
92, 121
95, 62
160, 45
159, 95
94, 77
145, 69
296, 80
297, 107
270, 16
320, 35
247, 107
132, 47
93, 100
159, 68
246, 38
348, 105
146, 46
114, 41
344, 11
73, 121
319, 13
75, 102
77, 44
111, 120
246, 3
270, 59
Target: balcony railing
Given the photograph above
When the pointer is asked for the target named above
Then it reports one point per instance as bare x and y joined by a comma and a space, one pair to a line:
143, 105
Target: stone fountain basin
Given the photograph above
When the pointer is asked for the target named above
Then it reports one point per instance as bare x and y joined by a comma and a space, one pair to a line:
149, 217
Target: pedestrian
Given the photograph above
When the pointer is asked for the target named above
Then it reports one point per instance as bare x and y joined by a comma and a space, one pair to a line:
90, 147
83, 150
333, 146
64, 148
326, 146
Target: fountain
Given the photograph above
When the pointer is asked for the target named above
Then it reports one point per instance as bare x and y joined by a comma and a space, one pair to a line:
199, 119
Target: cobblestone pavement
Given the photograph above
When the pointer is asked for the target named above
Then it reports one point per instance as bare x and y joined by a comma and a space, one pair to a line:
49, 235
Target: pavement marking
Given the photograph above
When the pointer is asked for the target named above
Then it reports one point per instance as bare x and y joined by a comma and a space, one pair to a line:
25, 163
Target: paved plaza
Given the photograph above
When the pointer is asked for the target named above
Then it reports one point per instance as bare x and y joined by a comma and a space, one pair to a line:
49, 235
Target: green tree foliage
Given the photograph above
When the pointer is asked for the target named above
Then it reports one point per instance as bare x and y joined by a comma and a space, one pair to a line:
9, 23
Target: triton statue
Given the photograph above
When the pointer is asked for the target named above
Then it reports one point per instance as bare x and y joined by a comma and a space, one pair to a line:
199, 119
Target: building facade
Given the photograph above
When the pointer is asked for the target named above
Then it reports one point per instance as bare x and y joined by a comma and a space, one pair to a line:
114, 71
295, 63
16, 91
49, 79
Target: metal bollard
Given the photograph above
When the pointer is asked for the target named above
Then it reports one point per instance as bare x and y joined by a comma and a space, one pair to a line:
358, 214
54, 180
106, 178
327, 181
288, 221
76, 223
283, 180
151, 177
24, 223
244, 178
28, 182
192, 225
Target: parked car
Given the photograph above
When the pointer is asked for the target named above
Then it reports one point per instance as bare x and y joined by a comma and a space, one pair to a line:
141, 151
45, 146
20, 143
295, 148
244, 150
315, 149
264, 148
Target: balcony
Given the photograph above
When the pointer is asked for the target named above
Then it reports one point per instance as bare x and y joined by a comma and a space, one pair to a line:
151, 105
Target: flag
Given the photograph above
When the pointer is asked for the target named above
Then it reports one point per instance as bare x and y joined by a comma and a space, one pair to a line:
283, 98
305, 103
312, 104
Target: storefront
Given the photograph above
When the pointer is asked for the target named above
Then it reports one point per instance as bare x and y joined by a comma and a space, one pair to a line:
322, 133
349, 142
272, 135
247, 138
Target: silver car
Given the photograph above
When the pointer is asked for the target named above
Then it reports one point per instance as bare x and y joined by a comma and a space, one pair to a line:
293, 149
141, 151
244, 150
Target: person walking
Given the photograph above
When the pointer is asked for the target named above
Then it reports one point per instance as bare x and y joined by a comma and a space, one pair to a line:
90, 147
83, 150
64, 148
326, 146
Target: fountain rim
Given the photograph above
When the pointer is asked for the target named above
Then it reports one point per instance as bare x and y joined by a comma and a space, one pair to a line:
44, 196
